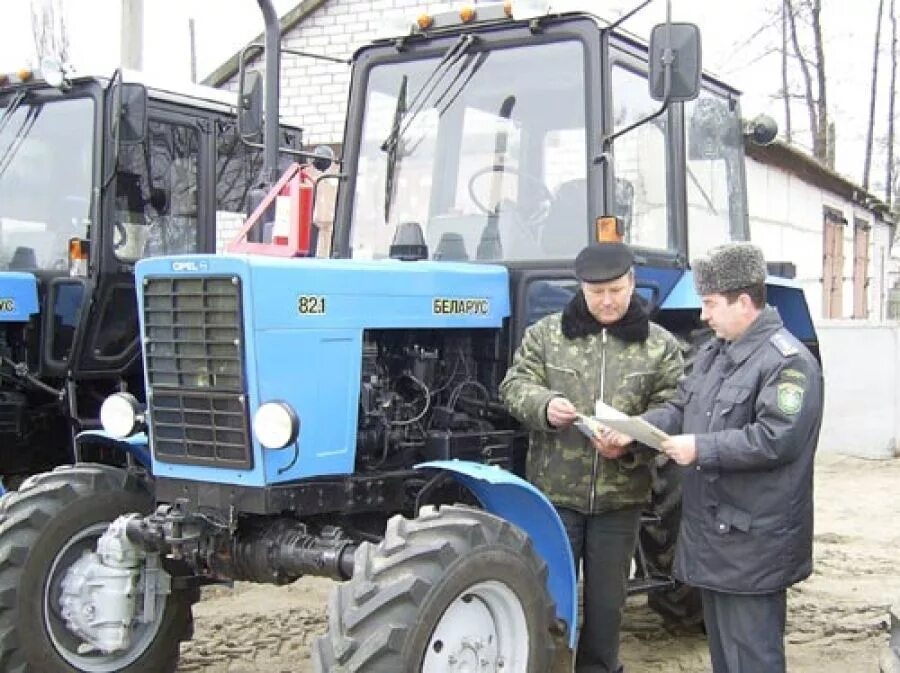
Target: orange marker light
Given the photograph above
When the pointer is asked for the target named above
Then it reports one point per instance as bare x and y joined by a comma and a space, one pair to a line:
467, 14
24, 74
609, 229
507, 8
425, 21
79, 251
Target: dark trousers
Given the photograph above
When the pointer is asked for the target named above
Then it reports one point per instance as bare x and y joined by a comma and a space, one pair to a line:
603, 544
746, 633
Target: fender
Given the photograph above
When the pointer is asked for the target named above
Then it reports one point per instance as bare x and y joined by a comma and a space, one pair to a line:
504, 494
137, 445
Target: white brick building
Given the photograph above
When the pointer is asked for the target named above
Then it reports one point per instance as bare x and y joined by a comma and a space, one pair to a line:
314, 92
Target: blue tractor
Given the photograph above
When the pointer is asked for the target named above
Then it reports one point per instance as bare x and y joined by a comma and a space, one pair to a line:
339, 416
96, 172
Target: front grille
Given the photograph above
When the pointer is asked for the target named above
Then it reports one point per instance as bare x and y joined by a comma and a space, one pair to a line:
195, 368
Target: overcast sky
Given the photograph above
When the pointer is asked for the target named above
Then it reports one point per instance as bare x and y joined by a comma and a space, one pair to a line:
734, 47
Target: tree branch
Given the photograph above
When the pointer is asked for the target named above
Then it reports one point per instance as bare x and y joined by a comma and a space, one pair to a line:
871, 125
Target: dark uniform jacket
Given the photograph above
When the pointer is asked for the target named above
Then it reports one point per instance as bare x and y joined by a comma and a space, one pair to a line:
631, 376
755, 406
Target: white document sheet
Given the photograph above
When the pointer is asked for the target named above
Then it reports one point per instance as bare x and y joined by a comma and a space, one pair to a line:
633, 426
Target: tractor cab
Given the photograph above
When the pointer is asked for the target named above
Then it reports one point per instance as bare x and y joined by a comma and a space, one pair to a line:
97, 173
502, 140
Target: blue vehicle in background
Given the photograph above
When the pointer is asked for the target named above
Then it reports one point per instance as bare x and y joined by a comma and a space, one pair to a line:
96, 172
339, 416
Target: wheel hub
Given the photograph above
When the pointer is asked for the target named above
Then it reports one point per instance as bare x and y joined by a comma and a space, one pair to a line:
482, 631
92, 600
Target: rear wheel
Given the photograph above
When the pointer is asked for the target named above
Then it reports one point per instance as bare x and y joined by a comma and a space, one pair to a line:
456, 589
680, 605
46, 527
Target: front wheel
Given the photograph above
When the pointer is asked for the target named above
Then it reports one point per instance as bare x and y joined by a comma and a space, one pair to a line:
45, 528
456, 589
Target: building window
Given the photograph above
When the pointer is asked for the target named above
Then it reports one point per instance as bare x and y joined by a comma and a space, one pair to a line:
862, 234
833, 264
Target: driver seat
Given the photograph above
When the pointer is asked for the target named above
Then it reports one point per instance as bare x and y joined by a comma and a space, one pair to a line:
565, 232
23, 259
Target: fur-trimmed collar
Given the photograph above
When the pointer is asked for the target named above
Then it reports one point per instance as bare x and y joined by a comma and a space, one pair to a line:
577, 321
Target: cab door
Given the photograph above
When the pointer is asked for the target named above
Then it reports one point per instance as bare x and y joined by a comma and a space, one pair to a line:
152, 208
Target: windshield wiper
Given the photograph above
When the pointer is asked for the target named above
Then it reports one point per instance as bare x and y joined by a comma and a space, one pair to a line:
10, 109
18, 140
405, 115
392, 147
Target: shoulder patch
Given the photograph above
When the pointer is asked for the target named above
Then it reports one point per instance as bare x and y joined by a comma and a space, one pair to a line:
783, 344
790, 398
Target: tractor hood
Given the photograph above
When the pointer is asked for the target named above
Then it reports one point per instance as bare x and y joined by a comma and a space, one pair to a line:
18, 296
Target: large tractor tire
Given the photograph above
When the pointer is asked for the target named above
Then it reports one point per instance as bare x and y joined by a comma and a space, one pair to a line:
680, 605
456, 589
44, 528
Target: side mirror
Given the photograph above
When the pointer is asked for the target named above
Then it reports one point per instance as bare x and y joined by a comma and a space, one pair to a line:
250, 104
675, 62
132, 113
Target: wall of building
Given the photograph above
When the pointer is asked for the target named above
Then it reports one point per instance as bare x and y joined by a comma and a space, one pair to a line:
861, 364
314, 92
786, 220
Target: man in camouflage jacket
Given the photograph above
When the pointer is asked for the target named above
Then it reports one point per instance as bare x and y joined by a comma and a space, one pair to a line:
602, 346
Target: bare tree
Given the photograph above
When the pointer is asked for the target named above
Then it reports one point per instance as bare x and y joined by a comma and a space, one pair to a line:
889, 181
48, 26
826, 143
870, 131
816, 100
785, 89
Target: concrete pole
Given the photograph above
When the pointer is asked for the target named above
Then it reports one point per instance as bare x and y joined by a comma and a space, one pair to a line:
193, 50
132, 33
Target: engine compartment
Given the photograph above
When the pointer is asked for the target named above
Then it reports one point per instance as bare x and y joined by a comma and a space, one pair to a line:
426, 395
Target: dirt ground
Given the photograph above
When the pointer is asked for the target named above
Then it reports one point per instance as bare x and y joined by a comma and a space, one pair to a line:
837, 619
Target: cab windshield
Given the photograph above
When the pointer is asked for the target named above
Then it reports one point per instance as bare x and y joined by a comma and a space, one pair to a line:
46, 166
485, 150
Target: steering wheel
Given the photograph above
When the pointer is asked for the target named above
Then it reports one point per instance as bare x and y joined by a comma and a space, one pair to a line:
534, 214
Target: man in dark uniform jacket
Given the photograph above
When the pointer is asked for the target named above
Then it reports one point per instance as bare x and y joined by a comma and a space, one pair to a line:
744, 425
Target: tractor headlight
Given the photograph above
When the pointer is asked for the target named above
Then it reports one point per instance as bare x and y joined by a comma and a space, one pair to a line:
120, 415
275, 425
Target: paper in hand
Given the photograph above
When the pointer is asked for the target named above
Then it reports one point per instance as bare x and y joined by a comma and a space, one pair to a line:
589, 426
633, 426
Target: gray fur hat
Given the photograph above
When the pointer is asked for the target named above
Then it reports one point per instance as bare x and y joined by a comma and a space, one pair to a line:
728, 267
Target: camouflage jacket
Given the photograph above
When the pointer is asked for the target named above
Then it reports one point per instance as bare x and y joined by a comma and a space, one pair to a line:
630, 376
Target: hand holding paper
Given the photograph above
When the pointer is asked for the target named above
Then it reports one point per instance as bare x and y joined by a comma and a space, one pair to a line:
633, 427
609, 443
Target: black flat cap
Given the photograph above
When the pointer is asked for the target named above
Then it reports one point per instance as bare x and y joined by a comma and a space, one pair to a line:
601, 262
